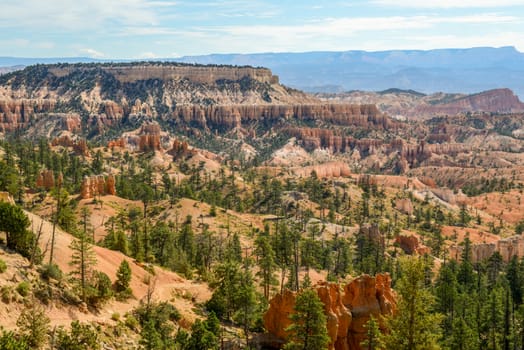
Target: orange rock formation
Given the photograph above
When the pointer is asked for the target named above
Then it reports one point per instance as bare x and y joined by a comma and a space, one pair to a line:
325, 170
46, 179
97, 185
507, 247
410, 244
347, 308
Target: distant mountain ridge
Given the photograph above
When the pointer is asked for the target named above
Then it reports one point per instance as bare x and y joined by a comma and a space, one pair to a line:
449, 70
468, 70
411, 103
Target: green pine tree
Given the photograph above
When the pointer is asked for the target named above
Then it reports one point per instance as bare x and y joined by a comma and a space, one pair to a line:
308, 330
414, 326
34, 325
373, 335
83, 260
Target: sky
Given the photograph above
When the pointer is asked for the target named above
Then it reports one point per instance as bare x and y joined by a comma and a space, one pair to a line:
142, 29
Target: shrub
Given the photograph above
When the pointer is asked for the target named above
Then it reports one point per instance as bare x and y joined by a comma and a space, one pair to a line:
131, 322
33, 324
123, 277
23, 288
102, 289
7, 295
3, 266
115, 316
43, 292
81, 337
11, 341
51, 271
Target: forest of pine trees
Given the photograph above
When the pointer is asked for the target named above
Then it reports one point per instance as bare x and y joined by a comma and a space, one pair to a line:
450, 305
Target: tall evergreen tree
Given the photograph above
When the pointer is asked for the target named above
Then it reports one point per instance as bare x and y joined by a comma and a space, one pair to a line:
266, 263
415, 326
83, 260
373, 335
308, 330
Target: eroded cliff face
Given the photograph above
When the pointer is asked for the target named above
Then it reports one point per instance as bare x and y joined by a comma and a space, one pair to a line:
19, 113
497, 100
347, 308
79, 146
201, 74
507, 247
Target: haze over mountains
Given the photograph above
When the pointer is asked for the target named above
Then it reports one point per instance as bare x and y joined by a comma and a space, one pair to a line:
449, 70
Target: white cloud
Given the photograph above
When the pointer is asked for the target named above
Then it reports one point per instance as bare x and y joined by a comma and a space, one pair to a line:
344, 27
449, 3
92, 53
74, 15
366, 33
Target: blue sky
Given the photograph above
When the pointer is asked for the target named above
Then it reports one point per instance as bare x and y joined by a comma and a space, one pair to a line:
164, 28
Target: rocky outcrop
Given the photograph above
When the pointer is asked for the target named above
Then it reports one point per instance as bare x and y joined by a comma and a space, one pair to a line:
149, 139
180, 150
46, 179
507, 247
120, 143
347, 309
371, 232
97, 185
411, 244
325, 170
18, 113
404, 205
366, 296
445, 194
79, 146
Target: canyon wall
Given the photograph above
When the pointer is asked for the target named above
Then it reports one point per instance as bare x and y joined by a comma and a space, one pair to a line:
507, 247
19, 113
232, 116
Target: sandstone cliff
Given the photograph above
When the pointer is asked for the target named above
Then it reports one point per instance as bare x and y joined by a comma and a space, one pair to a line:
497, 101
197, 73
507, 247
347, 308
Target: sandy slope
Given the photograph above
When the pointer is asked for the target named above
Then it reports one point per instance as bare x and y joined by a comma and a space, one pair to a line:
168, 285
